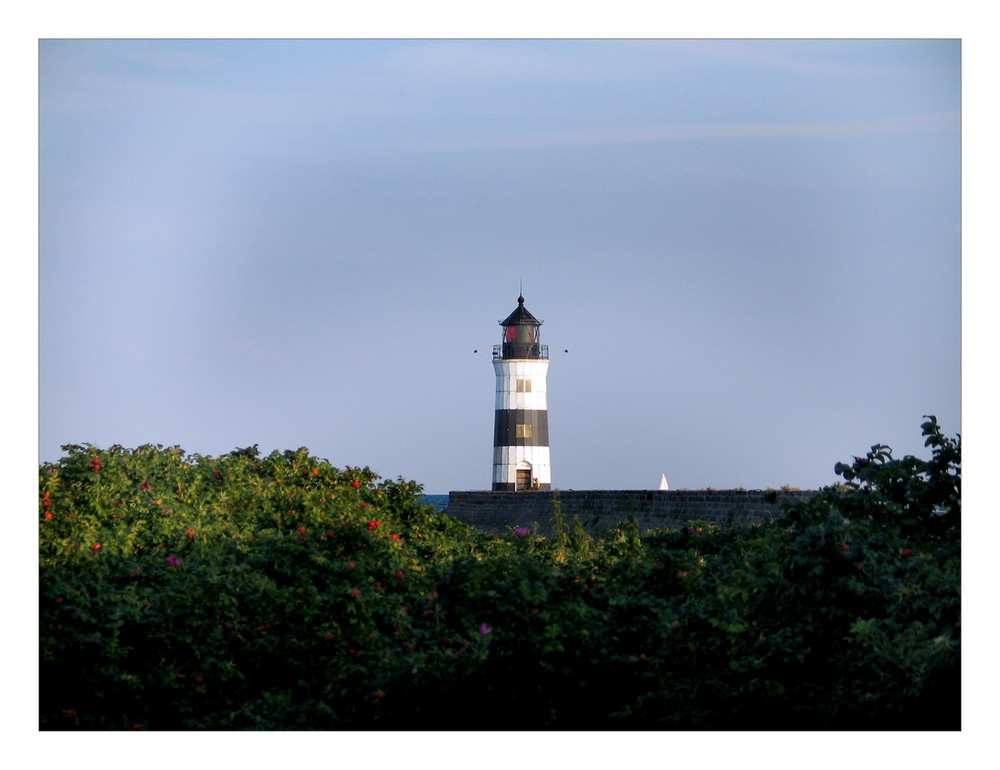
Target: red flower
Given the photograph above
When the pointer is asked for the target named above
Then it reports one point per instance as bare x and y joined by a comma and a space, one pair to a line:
399, 576
45, 496
190, 532
95, 547
46, 503
906, 553
355, 592
394, 537
48, 515
364, 505
301, 530
845, 547
329, 533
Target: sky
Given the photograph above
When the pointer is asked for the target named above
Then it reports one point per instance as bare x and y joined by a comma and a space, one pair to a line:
750, 249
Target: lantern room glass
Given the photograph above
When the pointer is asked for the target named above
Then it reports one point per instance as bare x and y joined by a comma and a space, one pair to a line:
521, 341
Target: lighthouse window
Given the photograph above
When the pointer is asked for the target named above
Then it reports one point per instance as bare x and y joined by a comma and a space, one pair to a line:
524, 386
522, 431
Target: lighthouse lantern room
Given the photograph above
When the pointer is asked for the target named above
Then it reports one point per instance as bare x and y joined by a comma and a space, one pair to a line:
521, 425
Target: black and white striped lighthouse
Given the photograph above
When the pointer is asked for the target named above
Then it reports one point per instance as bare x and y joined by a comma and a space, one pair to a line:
521, 425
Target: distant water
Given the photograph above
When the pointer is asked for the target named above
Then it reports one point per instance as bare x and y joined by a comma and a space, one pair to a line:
441, 501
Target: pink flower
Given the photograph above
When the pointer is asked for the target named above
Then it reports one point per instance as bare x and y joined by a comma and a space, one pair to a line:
173, 561
522, 531
485, 629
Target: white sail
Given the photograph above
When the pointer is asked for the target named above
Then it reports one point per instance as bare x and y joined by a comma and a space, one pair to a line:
663, 481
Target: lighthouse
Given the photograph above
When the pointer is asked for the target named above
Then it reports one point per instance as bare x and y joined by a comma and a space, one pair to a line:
521, 425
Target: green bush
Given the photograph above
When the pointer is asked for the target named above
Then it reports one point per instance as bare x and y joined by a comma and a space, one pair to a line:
184, 592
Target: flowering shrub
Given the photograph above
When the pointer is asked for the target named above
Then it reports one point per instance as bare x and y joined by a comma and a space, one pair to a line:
243, 592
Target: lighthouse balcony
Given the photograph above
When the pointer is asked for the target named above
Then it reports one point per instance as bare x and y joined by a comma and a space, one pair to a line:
514, 350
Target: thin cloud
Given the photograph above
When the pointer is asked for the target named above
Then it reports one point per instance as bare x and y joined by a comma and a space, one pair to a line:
170, 59
708, 131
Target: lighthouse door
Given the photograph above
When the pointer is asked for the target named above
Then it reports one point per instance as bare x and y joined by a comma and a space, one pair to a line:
523, 476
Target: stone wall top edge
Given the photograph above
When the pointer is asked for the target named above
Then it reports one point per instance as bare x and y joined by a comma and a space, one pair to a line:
549, 493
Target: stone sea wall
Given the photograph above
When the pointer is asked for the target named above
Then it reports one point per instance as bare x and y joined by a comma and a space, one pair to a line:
601, 510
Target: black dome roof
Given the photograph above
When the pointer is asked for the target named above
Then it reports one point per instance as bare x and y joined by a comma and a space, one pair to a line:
521, 316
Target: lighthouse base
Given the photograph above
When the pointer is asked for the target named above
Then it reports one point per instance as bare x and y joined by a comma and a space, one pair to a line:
506, 487
521, 468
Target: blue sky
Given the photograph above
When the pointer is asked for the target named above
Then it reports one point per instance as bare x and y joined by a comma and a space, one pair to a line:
750, 248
